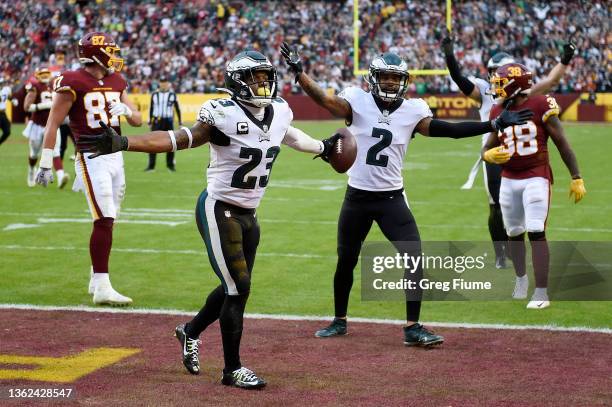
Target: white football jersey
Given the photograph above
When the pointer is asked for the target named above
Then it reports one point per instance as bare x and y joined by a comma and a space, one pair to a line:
5, 94
243, 149
382, 139
487, 101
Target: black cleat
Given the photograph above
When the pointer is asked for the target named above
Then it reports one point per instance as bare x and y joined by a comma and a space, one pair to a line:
190, 349
243, 378
418, 335
336, 328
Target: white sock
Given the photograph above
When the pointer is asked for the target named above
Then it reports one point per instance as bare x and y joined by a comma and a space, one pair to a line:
60, 174
522, 278
101, 279
540, 294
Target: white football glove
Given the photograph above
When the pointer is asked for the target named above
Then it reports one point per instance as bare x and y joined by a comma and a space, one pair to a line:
44, 175
120, 109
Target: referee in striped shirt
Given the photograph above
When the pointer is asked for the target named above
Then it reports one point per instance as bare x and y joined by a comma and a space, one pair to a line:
161, 117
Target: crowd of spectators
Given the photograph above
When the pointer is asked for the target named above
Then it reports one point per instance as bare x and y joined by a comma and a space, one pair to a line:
190, 41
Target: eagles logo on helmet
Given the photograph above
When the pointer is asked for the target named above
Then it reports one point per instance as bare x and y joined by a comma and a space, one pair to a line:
98, 47
511, 79
497, 60
240, 76
388, 63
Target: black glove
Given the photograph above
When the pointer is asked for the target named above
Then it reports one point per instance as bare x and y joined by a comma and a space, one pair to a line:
509, 118
568, 52
328, 145
106, 143
292, 59
447, 45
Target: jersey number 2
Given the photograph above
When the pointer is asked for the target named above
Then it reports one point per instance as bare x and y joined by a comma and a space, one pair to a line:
254, 155
385, 137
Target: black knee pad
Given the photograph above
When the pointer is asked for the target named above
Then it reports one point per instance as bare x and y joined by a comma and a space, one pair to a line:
535, 236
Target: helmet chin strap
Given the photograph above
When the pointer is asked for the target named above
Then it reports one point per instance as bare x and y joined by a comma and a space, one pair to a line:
108, 70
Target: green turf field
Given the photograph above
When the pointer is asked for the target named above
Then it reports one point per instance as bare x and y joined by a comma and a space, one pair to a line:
45, 259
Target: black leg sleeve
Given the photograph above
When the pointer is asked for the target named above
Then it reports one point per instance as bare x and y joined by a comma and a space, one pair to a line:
353, 227
231, 321
399, 226
208, 314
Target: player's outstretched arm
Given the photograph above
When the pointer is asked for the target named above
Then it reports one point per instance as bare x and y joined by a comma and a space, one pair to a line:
557, 134
60, 105
300, 141
440, 128
332, 103
465, 85
554, 76
154, 142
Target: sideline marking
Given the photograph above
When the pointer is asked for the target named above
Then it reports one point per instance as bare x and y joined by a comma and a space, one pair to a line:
283, 317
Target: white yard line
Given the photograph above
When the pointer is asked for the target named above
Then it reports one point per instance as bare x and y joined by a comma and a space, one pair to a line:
156, 251
284, 317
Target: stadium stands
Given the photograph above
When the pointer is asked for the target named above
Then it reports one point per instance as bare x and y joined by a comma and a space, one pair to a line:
190, 41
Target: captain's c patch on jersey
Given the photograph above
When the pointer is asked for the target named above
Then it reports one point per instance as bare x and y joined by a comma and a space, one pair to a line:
242, 128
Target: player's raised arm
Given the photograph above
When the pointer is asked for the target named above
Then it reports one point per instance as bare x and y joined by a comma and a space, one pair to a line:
554, 76
557, 134
336, 105
465, 85
154, 142
440, 128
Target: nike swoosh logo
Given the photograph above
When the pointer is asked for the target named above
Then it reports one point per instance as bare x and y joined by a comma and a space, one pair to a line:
185, 348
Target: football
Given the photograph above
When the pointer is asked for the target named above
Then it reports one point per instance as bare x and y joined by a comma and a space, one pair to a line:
344, 152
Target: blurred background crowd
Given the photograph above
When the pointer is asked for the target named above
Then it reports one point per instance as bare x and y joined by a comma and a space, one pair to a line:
190, 41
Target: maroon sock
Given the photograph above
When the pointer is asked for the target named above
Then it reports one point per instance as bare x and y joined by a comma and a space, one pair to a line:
58, 164
32, 161
100, 244
540, 257
516, 244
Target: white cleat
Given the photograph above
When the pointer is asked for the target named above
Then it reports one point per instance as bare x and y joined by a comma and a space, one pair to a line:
106, 295
538, 304
521, 286
31, 177
62, 182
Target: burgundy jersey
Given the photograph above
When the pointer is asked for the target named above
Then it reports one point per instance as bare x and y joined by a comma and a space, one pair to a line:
43, 94
527, 143
91, 98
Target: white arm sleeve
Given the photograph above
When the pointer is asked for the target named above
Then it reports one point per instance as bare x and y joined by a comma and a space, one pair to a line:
300, 141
